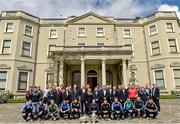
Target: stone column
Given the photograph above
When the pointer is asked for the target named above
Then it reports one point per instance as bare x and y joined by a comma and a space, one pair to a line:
124, 72
61, 72
82, 72
55, 72
103, 72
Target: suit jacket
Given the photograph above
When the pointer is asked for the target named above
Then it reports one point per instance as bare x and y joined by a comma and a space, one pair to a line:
67, 96
155, 93
113, 94
83, 96
75, 93
123, 94
96, 95
106, 95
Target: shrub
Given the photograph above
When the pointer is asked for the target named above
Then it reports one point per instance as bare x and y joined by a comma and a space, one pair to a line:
168, 97
16, 100
5, 95
175, 92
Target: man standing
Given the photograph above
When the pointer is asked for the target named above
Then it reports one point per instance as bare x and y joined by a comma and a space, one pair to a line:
155, 95
123, 94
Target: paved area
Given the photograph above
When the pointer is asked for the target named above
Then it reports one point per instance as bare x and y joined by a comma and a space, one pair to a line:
170, 113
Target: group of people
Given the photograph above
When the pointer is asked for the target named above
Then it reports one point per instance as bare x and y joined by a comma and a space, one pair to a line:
105, 102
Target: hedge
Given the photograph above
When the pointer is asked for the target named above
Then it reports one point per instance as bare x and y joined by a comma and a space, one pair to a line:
168, 97
16, 100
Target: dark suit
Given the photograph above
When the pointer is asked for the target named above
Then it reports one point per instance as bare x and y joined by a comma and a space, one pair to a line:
96, 95
67, 95
123, 95
155, 95
113, 95
83, 99
104, 94
75, 93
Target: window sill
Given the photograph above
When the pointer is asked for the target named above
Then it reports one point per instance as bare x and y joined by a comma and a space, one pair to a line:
174, 52
127, 37
5, 54
28, 35
8, 32
153, 34
170, 32
21, 91
52, 37
81, 36
100, 36
155, 55
26, 56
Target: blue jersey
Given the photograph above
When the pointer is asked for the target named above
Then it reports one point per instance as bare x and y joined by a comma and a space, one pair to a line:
28, 108
116, 106
41, 108
64, 107
128, 105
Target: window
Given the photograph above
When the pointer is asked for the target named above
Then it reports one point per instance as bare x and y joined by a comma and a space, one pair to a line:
152, 30
3, 79
81, 44
26, 49
127, 33
155, 48
100, 31
81, 32
172, 45
49, 78
100, 44
169, 27
76, 75
177, 77
9, 27
159, 78
6, 48
22, 81
52, 33
28, 30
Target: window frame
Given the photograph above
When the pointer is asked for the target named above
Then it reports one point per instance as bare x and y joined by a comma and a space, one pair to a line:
130, 33
153, 48
78, 32
164, 77
177, 47
27, 84
31, 35
30, 52
172, 27
5, 29
50, 33
2, 47
3, 70
97, 31
174, 83
150, 29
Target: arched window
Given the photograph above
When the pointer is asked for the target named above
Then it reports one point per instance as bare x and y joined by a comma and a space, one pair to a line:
109, 77
76, 77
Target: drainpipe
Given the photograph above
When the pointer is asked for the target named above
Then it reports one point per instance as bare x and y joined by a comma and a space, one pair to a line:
147, 58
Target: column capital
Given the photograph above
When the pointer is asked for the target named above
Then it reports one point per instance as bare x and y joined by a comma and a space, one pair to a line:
82, 59
103, 59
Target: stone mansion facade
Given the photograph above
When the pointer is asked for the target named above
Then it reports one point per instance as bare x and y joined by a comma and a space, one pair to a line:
88, 49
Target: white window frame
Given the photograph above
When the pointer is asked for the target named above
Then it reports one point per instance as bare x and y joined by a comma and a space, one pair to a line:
6, 27
82, 42
2, 46
152, 50
31, 31
101, 42
28, 78
174, 83
172, 27
103, 31
6, 85
78, 31
50, 33
164, 76
150, 31
30, 55
177, 47
129, 32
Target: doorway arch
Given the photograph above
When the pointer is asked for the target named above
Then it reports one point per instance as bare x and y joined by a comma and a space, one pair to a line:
92, 79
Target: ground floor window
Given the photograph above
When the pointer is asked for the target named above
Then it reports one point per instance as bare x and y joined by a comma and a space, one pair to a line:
3, 79
159, 78
22, 81
77, 78
177, 77
109, 77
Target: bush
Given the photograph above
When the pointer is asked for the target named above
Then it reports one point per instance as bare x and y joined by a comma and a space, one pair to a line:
4, 96
16, 100
175, 92
168, 97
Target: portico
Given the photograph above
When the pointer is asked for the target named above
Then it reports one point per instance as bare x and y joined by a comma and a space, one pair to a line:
91, 66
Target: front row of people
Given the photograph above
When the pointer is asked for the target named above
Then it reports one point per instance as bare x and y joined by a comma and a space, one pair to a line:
114, 111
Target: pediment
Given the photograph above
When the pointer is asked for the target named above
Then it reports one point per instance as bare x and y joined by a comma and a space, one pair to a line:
175, 64
156, 66
4, 66
25, 68
90, 18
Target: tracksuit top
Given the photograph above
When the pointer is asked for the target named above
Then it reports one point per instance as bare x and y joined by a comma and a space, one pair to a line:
138, 104
75, 105
64, 107
151, 106
116, 106
105, 107
52, 108
94, 107
128, 105
41, 108
28, 108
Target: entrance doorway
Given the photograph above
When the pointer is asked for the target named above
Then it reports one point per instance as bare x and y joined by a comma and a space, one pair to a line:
92, 79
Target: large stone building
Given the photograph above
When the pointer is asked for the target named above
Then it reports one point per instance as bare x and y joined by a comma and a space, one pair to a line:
88, 49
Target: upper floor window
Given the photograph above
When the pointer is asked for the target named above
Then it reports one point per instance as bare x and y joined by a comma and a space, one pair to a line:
100, 32
169, 27
26, 49
81, 32
6, 48
153, 30
3, 79
22, 81
159, 78
172, 45
127, 33
9, 27
52, 33
81, 44
155, 48
28, 30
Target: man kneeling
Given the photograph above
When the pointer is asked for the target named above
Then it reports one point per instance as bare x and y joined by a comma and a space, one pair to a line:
28, 111
65, 109
105, 109
139, 107
41, 110
151, 109
53, 111
129, 109
117, 109
76, 108
94, 108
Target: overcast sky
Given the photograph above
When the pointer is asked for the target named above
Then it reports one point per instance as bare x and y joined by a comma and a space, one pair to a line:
116, 8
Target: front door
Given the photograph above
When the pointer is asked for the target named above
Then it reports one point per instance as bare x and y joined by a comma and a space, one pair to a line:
92, 79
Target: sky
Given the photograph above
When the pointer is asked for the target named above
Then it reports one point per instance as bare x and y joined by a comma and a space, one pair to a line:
115, 8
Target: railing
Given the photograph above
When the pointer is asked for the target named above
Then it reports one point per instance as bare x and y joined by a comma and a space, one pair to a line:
54, 48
